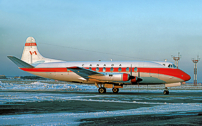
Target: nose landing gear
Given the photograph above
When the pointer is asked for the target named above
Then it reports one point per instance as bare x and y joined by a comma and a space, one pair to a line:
166, 91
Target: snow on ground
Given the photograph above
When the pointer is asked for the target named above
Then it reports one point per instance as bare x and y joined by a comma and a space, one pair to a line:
72, 118
65, 118
41, 86
49, 85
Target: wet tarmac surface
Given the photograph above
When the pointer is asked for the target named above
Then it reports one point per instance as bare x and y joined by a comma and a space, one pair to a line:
39, 103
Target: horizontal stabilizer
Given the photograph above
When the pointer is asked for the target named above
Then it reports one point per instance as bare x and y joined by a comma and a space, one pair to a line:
19, 62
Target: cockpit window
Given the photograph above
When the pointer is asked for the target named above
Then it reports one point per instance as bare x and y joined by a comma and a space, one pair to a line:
171, 66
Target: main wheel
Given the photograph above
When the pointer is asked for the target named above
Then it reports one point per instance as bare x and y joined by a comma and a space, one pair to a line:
102, 90
165, 92
115, 90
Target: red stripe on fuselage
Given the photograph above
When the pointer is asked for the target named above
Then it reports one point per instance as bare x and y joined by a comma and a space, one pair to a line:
165, 71
44, 69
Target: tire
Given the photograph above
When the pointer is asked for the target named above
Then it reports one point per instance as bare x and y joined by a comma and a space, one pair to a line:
115, 90
105, 90
165, 92
102, 90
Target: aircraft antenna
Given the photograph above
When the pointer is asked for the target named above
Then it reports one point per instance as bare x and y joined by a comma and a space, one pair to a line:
195, 61
176, 58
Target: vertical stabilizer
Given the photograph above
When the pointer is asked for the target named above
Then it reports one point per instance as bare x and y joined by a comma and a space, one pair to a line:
31, 54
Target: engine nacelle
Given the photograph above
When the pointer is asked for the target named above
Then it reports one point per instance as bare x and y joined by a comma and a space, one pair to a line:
135, 80
114, 77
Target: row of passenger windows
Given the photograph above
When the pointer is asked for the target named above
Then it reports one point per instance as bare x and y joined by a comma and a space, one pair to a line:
99, 65
112, 69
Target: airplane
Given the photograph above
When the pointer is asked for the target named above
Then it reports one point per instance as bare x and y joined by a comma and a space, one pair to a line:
104, 74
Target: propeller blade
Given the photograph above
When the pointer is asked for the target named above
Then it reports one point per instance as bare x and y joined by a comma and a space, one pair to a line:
131, 77
139, 79
131, 70
138, 73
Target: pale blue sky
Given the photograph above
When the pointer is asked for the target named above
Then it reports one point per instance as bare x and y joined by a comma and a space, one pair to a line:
143, 29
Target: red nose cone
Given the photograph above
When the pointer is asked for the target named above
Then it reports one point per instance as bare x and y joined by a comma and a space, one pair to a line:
186, 77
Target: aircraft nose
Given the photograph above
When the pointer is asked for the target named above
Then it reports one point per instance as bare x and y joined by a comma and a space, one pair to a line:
186, 77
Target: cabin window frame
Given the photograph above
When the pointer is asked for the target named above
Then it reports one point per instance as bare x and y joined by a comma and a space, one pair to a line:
112, 69
120, 69
127, 69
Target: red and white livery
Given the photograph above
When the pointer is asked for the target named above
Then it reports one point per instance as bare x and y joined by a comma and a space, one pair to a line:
104, 74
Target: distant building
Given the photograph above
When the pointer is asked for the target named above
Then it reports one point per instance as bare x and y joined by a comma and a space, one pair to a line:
16, 77
3, 77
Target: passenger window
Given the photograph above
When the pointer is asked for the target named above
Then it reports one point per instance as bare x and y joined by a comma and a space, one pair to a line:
119, 69
112, 65
104, 69
97, 69
135, 69
97, 64
112, 69
104, 64
127, 69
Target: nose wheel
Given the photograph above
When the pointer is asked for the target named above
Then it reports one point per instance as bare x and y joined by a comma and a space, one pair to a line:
166, 91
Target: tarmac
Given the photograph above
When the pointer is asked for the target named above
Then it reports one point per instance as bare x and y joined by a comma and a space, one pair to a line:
25, 102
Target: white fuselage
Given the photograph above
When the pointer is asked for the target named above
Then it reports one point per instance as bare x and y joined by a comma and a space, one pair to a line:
150, 72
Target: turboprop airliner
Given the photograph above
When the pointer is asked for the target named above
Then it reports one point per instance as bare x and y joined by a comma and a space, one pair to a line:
104, 74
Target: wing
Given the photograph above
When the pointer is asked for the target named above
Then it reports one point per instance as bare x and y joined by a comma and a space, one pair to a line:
85, 73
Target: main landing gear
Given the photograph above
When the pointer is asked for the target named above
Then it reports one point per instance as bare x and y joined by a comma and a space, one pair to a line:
102, 90
115, 90
166, 91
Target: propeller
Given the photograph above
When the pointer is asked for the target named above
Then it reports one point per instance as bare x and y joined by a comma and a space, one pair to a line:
134, 79
139, 79
131, 73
